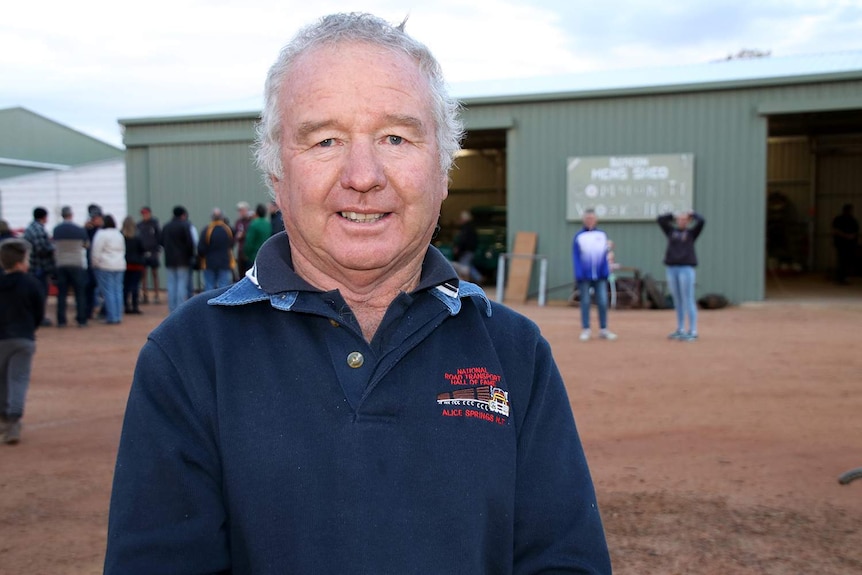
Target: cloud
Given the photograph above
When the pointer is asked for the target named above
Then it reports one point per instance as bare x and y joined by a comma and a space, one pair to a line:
90, 62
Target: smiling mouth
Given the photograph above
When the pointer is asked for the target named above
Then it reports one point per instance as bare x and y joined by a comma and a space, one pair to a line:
362, 218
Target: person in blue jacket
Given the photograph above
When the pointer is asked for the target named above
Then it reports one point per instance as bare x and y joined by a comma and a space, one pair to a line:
386, 417
590, 248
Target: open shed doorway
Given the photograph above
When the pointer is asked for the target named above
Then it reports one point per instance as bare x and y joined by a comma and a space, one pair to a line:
477, 185
814, 168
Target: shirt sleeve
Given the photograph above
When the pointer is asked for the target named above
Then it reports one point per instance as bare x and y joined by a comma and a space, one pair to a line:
167, 513
558, 527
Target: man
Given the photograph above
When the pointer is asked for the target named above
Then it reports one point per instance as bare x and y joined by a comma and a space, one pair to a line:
239, 232
94, 223
42, 252
258, 231
845, 238
149, 231
590, 262
179, 245
276, 220
215, 249
464, 247
385, 417
71, 242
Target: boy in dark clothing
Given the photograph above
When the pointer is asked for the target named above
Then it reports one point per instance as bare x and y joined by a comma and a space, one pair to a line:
22, 309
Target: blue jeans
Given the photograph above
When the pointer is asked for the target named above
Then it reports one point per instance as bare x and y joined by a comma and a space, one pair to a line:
680, 280
217, 278
76, 278
179, 279
16, 359
111, 286
601, 289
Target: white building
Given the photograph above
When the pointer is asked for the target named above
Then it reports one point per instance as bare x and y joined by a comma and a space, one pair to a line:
102, 183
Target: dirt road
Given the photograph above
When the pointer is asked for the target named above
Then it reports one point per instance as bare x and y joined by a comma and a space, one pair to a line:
719, 456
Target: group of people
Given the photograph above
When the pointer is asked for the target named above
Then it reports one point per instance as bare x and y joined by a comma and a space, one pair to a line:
106, 263
593, 263
103, 265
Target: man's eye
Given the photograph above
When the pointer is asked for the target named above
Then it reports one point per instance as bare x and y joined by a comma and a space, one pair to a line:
395, 140
327, 143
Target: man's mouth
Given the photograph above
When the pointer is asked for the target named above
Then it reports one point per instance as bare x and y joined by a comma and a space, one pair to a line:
361, 218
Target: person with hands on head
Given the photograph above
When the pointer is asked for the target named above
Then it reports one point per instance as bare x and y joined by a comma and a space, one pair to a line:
682, 230
386, 417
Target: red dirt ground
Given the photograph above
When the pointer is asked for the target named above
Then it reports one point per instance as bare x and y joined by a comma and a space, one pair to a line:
714, 457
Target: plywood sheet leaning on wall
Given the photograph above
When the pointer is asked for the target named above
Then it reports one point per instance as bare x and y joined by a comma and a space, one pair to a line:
521, 267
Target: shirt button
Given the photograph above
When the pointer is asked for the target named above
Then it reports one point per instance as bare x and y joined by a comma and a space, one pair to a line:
333, 323
355, 359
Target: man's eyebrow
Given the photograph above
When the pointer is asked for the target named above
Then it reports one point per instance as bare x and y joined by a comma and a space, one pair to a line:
406, 121
305, 129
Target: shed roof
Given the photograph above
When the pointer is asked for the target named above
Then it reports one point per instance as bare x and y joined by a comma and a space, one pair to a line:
722, 74
747, 72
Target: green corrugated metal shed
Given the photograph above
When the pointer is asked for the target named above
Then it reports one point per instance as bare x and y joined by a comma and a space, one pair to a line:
203, 161
199, 162
31, 143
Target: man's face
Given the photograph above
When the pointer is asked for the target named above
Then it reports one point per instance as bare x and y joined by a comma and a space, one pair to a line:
590, 220
242, 213
145, 215
362, 186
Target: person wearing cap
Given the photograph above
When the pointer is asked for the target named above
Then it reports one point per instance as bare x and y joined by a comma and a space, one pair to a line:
150, 232
350, 406
71, 242
240, 230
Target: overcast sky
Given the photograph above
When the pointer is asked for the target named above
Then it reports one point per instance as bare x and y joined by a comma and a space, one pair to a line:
88, 63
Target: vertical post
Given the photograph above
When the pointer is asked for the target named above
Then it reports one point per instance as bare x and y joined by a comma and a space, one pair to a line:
501, 276
543, 279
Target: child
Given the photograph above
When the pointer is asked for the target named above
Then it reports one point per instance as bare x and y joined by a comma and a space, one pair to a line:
22, 308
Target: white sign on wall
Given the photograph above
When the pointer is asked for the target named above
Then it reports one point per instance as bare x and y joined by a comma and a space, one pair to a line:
629, 187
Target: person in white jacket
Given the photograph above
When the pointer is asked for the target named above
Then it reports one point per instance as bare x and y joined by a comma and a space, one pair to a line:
109, 262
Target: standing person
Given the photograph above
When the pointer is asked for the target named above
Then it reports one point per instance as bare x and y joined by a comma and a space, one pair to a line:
845, 238
381, 406
464, 247
276, 220
179, 252
5, 230
135, 266
259, 230
22, 308
215, 249
239, 230
41, 252
71, 242
680, 261
149, 231
590, 248
94, 223
109, 263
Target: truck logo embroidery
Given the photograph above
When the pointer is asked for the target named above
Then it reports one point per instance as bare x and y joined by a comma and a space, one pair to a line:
477, 396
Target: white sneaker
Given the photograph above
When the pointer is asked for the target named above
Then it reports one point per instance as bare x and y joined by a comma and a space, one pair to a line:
585, 335
608, 335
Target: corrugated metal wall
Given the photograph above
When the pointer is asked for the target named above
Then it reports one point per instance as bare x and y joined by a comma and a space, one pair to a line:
721, 128
729, 144
203, 162
199, 165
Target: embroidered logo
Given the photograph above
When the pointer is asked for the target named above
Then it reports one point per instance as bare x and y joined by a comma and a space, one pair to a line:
487, 402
